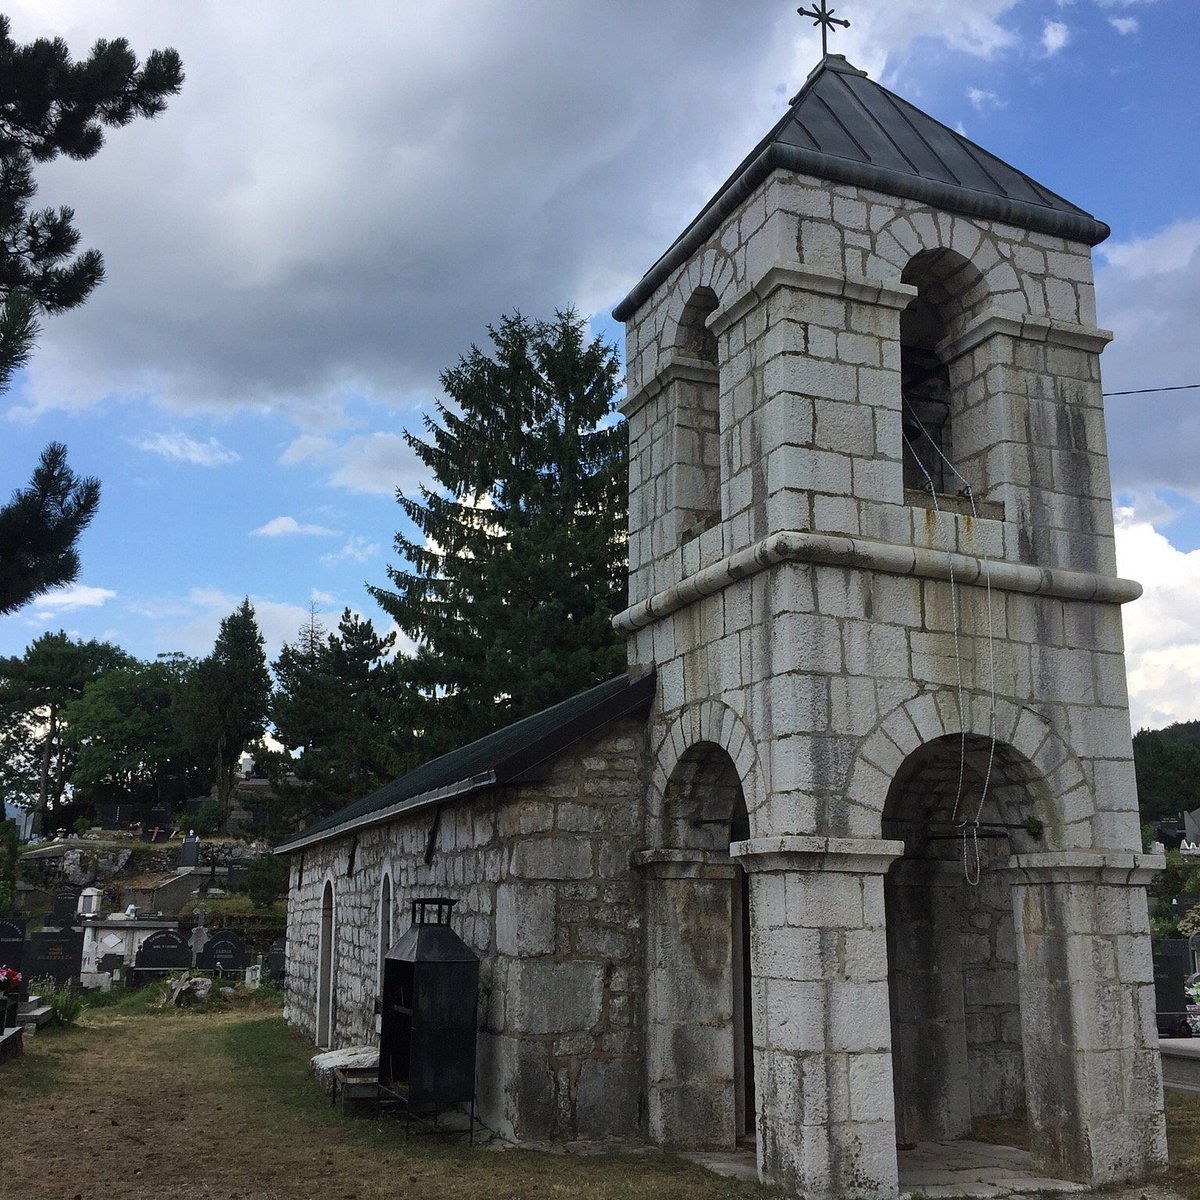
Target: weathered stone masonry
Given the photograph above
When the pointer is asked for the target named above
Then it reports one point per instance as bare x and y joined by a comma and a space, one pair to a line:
541, 874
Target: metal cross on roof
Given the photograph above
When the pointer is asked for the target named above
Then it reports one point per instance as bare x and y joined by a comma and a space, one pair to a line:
824, 17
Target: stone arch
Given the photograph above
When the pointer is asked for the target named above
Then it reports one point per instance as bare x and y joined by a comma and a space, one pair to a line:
698, 926
709, 272
934, 389
693, 338
1031, 754
710, 721
696, 419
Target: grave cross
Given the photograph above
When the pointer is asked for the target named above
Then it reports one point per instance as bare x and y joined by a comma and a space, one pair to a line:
199, 933
824, 17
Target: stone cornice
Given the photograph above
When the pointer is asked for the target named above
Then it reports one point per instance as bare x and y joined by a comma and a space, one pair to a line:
810, 279
683, 863
800, 852
1027, 328
885, 557
677, 367
1122, 868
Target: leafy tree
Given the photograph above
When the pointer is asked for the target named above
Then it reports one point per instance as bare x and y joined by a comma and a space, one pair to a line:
40, 526
124, 733
8, 866
518, 563
224, 704
339, 709
51, 105
35, 691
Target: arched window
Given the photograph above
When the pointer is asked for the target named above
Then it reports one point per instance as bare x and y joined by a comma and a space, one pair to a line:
697, 449
385, 927
326, 974
949, 292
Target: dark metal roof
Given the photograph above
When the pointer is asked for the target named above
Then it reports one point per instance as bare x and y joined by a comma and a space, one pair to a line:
500, 757
846, 128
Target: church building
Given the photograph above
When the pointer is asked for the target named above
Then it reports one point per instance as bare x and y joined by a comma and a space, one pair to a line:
850, 857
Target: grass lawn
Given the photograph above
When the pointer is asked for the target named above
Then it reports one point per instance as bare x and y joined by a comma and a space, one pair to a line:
217, 1105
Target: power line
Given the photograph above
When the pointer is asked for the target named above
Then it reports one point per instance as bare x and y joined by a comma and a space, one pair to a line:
1183, 387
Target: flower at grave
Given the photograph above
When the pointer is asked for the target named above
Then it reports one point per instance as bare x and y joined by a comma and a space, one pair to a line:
10, 980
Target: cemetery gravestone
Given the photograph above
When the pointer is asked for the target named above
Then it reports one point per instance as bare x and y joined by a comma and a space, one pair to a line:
57, 954
277, 960
237, 870
115, 816
164, 950
110, 962
157, 823
225, 952
189, 855
1172, 965
66, 900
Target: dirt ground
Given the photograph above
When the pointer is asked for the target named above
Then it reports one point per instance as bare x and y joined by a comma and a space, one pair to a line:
219, 1105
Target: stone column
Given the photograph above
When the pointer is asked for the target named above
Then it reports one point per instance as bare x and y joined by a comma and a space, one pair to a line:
823, 1062
690, 1063
1092, 1070
933, 1095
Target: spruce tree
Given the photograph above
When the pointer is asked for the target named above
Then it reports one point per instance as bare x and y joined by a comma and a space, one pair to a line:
223, 705
51, 105
341, 711
39, 528
517, 565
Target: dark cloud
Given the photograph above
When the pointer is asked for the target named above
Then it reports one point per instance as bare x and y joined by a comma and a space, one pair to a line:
338, 203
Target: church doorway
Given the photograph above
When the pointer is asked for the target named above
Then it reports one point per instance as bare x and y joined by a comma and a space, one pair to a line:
961, 806
325, 972
700, 1045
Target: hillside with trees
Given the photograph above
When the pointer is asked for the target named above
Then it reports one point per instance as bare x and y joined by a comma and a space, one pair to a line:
1168, 769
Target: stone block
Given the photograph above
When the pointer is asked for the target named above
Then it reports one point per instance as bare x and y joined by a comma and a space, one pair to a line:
553, 997
607, 1101
525, 919
795, 1016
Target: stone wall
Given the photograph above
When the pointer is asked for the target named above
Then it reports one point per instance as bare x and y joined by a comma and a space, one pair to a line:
546, 896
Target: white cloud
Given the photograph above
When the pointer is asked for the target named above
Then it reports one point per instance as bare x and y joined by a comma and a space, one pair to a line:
343, 223
1055, 35
981, 99
1124, 25
290, 527
357, 549
69, 599
181, 448
190, 623
1171, 249
378, 463
1162, 629
1148, 293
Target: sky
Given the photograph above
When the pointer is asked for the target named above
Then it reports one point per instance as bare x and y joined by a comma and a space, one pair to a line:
343, 197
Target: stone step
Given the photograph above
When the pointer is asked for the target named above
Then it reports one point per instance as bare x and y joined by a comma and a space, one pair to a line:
38, 1017
10, 1043
29, 1005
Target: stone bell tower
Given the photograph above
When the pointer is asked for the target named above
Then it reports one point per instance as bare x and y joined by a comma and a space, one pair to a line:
871, 562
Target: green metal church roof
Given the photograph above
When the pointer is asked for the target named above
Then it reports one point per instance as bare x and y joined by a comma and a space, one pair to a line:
846, 128
498, 758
